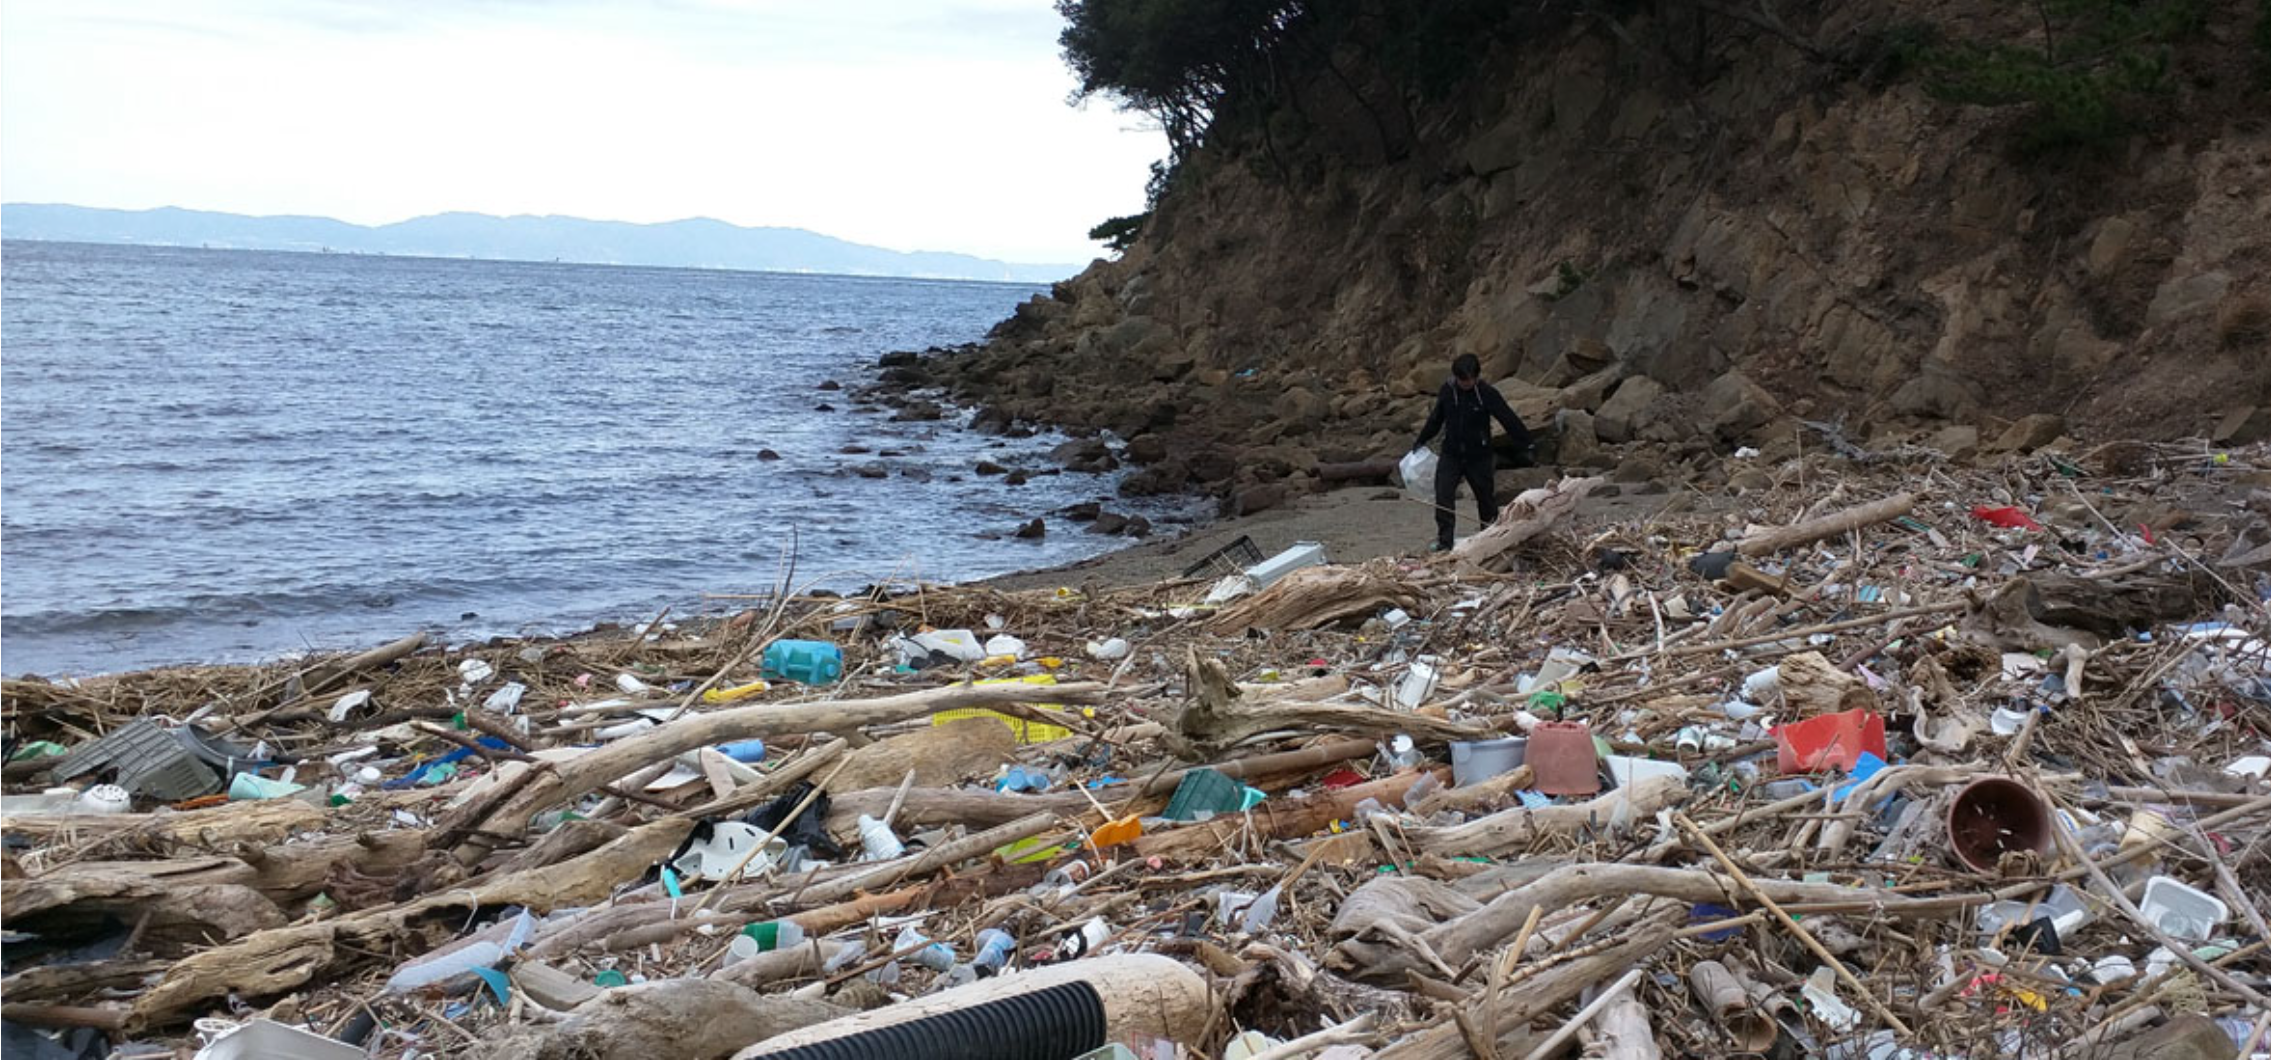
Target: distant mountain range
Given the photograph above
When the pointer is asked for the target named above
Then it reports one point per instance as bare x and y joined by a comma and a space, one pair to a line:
701, 243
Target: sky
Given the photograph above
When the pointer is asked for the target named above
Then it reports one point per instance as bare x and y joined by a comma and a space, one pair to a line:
912, 125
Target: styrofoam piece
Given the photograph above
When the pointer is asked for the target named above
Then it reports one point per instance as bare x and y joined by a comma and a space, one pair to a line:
2181, 911
1419, 682
1629, 770
729, 843
1298, 556
268, 1039
347, 703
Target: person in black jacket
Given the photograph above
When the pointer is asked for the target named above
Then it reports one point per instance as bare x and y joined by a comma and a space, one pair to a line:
1463, 411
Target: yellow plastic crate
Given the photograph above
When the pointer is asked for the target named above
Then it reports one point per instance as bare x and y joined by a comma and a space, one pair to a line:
1028, 732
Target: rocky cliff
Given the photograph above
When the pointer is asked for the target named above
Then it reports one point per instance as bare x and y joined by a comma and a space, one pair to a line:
1681, 256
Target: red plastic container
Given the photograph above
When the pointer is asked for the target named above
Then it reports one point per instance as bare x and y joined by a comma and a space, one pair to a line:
1834, 740
1563, 757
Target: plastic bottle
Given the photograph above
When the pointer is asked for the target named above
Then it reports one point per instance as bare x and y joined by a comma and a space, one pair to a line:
462, 961
936, 955
993, 947
807, 661
877, 841
1402, 753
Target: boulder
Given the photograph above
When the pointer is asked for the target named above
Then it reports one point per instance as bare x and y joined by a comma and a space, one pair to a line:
1588, 392
1958, 441
2240, 427
1212, 464
2031, 433
1137, 527
920, 410
1164, 478
873, 470
1578, 444
1734, 406
987, 468
1083, 511
768, 454
1299, 405
1147, 449
1615, 421
1533, 404
1108, 524
1089, 450
1254, 499
830, 385
1032, 529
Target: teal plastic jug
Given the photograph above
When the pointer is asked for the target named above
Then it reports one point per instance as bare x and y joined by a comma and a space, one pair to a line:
803, 660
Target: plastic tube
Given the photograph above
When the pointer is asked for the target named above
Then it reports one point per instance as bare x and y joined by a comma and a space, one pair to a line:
1060, 1022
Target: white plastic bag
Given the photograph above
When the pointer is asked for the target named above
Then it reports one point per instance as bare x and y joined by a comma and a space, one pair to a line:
1418, 471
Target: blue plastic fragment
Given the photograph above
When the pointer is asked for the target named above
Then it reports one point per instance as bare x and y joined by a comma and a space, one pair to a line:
500, 986
1712, 913
1864, 766
1533, 799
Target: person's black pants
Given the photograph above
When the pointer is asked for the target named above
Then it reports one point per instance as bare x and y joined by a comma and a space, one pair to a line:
1480, 473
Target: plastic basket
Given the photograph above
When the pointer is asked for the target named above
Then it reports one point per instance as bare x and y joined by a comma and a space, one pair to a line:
1240, 555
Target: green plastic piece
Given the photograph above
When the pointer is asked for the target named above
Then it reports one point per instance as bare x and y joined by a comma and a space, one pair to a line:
609, 979
1206, 790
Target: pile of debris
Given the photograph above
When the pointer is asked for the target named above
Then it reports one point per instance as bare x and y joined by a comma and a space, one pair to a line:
1922, 761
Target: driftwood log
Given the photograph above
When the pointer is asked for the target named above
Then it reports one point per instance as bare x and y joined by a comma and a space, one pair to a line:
1218, 715
1283, 818
1315, 596
547, 788
1531, 514
1515, 827
279, 960
1774, 540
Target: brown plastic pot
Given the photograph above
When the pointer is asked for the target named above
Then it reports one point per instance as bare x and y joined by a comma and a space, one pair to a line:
1564, 760
1994, 816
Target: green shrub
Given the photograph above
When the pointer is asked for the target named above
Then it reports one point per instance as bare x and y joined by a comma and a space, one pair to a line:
2094, 59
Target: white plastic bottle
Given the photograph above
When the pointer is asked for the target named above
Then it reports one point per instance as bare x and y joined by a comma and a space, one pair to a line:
877, 841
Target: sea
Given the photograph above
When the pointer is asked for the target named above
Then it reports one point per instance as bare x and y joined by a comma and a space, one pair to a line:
214, 456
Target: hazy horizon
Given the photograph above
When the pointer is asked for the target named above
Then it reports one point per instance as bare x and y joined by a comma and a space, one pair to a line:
886, 123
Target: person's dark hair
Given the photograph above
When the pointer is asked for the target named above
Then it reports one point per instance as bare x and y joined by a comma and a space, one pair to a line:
1466, 367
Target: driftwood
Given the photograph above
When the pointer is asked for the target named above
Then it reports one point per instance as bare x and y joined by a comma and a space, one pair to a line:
216, 828
1218, 716
1772, 540
1531, 514
939, 756
677, 1018
1283, 818
1315, 596
1811, 686
924, 807
278, 960
1539, 994
1486, 793
1504, 831
548, 788
929, 860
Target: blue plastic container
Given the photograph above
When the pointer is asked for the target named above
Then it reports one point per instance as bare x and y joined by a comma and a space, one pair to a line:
749, 751
803, 660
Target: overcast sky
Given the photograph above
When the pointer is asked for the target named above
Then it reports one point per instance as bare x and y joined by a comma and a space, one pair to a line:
910, 125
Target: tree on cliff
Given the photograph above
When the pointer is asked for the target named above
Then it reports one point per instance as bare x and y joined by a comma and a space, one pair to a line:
1175, 60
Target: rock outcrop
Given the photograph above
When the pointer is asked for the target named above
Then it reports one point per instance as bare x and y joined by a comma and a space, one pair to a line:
1642, 255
